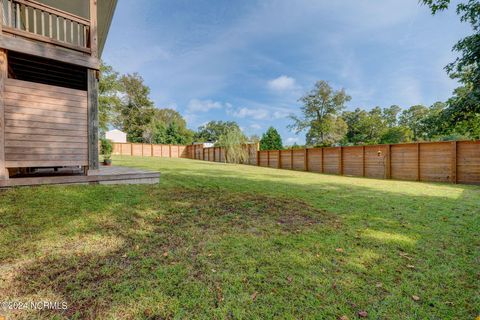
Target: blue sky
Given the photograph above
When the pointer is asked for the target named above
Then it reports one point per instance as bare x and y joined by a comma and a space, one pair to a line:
250, 60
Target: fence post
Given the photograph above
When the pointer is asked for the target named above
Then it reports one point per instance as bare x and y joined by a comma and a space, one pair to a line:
322, 169
453, 174
169, 150
341, 162
214, 155
258, 158
418, 161
291, 159
279, 162
388, 164
131, 149
363, 161
268, 158
305, 159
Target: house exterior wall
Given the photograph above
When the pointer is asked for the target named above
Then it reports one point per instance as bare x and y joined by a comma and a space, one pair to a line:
47, 125
44, 125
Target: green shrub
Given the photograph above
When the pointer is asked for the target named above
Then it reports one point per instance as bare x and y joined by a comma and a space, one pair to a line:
106, 148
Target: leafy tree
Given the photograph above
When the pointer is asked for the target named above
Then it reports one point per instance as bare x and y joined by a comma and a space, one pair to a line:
211, 131
352, 118
169, 116
254, 139
373, 126
434, 122
167, 126
413, 118
396, 135
337, 131
463, 109
233, 142
320, 115
108, 96
390, 115
463, 112
156, 132
365, 127
135, 112
176, 135
271, 140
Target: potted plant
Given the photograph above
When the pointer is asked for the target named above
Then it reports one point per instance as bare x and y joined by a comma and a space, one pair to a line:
106, 151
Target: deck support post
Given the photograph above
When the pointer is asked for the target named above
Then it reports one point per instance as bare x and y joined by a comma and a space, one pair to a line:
93, 28
3, 76
93, 122
93, 96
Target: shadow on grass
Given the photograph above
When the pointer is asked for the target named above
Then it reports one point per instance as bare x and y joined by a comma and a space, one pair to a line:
228, 251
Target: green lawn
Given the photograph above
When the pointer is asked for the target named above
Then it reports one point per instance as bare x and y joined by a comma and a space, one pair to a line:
218, 241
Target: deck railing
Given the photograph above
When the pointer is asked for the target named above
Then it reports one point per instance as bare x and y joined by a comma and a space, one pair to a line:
37, 21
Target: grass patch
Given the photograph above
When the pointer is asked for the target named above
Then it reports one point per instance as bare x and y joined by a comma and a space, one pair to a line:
239, 242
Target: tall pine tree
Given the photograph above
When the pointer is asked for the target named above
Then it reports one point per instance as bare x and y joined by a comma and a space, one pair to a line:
271, 140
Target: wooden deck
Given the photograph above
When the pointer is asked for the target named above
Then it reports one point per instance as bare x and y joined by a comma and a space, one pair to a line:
105, 175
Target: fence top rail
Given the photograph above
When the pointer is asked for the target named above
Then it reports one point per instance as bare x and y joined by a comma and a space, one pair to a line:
378, 145
153, 144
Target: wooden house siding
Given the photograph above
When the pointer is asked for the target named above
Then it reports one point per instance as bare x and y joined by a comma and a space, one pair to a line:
44, 125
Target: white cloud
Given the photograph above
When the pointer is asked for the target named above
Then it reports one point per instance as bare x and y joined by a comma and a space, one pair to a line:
207, 57
255, 126
196, 105
257, 114
282, 83
281, 113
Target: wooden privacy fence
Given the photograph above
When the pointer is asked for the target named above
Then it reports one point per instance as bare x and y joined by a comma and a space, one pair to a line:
217, 154
455, 162
150, 150
196, 151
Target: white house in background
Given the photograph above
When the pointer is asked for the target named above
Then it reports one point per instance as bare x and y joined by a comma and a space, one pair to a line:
116, 136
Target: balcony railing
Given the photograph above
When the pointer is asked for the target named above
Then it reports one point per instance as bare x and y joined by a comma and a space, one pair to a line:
36, 21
